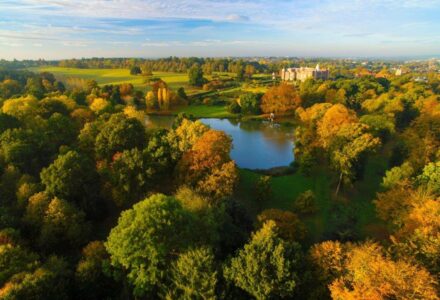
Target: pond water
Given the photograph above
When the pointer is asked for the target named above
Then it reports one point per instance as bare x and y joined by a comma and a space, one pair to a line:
256, 144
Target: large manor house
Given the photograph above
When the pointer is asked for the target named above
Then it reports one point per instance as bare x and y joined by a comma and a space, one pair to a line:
303, 73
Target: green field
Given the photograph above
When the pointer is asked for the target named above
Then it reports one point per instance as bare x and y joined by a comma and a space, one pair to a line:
205, 111
118, 76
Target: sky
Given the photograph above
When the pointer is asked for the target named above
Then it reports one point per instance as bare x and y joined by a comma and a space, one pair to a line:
60, 29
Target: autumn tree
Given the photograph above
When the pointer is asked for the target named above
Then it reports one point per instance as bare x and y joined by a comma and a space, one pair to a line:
185, 135
349, 145
280, 99
289, 226
372, 276
328, 262
332, 121
208, 167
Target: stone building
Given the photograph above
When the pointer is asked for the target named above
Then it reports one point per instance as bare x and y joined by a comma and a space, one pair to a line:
303, 73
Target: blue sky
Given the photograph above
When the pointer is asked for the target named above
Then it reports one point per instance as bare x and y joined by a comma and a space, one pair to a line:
55, 29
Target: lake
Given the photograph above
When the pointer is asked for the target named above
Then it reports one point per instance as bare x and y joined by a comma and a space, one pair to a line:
256, 144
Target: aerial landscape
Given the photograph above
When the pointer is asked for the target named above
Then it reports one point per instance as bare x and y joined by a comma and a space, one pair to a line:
193, 149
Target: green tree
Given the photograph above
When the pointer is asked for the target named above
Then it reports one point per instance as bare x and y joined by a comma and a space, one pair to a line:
430, 177
135, 70
147, 238
14, 259
50, 281
351, 142
90, 278
63, 227
131, 176
119, 133
267, 266
8, 122
397, 175
195, 75
72, 176
194, 275
250, 103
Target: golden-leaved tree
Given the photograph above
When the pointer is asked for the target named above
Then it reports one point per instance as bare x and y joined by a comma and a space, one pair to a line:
280, 99
207, 166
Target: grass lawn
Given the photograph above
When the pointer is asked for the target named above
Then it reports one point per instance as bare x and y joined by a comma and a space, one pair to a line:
118, 76
285, 189
205, 111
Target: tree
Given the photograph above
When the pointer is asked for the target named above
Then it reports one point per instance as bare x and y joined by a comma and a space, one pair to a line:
35, 87
305, 203
23, 108
195, 75
182, 94
267, 266
26, 149
240, 71
280, 99
131, 174
350, 143
72, 177
194, 275
369, 275
397, 175
207, 167
91, 280
147, 238
185, 135
234, 107
135, 70
289, 227
119, 133
263, 190
430, 177
63, 227
329, 259
8, 122
61, 130
99, 105
48, 281
250, 103
14, 259
49, 106
332, 121
417, 230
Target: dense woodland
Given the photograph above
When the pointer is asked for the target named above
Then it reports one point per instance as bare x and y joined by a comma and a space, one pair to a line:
94, 204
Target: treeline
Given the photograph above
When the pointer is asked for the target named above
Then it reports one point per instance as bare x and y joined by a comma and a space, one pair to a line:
171, 64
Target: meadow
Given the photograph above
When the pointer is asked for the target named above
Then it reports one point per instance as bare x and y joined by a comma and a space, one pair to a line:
119, 76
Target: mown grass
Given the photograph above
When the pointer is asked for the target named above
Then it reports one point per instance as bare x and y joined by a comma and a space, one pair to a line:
205, 111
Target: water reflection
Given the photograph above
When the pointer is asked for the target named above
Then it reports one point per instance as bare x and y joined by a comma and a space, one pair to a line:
256, 144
